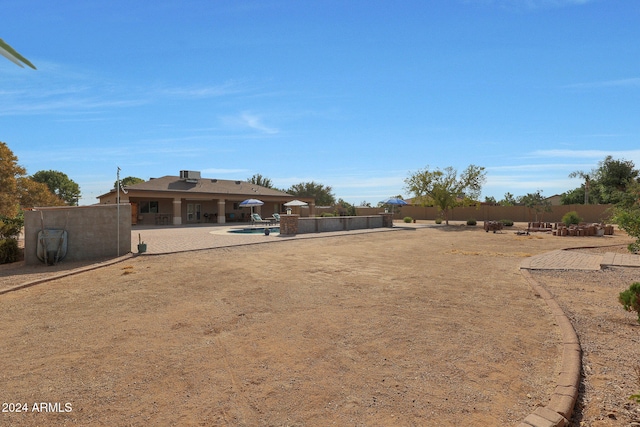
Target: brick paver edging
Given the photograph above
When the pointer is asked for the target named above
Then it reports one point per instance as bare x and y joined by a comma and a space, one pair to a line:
66, 273
560, 407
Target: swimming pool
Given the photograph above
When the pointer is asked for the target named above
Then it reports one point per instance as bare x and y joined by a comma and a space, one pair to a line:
259, 230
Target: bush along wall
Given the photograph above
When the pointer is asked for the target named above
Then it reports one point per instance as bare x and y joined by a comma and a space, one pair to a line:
9, 231
8, 251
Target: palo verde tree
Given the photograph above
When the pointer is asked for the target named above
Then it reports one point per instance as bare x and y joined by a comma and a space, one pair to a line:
445, 189
321, 193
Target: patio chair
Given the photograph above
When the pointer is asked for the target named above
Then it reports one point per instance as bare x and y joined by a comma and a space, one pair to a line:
256, 219
276, 216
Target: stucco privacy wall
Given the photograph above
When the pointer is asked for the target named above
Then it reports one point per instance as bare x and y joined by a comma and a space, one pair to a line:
589, 213
293, 224
91, 231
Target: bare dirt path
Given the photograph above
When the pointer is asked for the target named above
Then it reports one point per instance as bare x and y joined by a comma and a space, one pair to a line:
430, 327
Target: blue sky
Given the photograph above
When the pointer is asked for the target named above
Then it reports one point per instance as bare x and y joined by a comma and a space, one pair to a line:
351, 94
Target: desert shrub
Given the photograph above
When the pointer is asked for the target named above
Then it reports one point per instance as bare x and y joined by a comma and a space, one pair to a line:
506, 222
438, 220
571, 218
630, 299
8, 251
471, 221
636, 397
10, 227
407, 219
325, 214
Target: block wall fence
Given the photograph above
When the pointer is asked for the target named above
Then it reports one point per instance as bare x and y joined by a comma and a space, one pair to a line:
589, 213
91, 231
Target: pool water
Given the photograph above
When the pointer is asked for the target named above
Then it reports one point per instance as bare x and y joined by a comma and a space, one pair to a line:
254, 230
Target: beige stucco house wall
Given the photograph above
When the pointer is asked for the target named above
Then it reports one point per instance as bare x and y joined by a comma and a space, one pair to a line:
190, 199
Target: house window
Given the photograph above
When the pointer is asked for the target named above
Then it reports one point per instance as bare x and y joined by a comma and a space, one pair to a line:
148, 207
236, 206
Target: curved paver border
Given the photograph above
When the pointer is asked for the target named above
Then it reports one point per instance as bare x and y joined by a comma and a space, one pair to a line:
558, 411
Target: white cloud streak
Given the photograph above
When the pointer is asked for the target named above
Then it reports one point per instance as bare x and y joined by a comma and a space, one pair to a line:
251, 121
633, 82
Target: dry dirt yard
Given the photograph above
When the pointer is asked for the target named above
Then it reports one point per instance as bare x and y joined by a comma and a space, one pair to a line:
425, 327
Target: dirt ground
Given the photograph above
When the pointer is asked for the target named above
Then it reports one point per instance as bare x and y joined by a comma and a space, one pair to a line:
425, 327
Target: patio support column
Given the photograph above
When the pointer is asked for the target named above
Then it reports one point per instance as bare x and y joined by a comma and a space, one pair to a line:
312, 209
177, 211
221, 211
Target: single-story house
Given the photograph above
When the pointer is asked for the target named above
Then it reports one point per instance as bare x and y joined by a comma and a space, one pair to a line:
555, 200
191, 199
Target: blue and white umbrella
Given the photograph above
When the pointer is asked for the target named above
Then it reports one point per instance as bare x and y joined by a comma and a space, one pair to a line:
394, 201
250, 203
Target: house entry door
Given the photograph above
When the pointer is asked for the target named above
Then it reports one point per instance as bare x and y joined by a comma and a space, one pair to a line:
193, 212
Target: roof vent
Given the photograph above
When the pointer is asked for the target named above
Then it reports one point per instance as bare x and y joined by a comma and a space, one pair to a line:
214, 180
238, 182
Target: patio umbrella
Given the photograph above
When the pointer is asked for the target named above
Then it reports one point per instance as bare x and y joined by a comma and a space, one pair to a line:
250, 203
296, 203
393, 201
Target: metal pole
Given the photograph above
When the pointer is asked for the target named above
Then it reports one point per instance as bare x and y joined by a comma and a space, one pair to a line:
118, 210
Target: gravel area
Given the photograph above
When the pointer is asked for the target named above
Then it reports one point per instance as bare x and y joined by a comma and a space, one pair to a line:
609, 337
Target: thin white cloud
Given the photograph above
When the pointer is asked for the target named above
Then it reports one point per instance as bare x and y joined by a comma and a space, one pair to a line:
251, 121
228, 88
586, 154
633, 82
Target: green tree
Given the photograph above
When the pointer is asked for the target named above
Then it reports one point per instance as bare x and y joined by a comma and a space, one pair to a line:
627, 215
130, 180
445, 188
605, 184
490, 200
260, 180
586, 176
535, 201
573, 197
612, 178
322, 194
508, 200
12, 55
345, 208
60, 185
